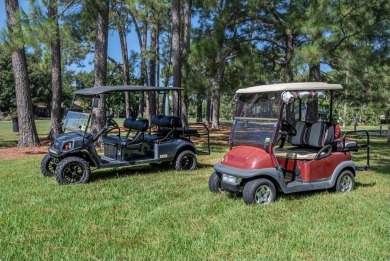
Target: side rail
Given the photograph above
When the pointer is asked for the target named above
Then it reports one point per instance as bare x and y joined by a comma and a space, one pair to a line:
354, 146
202, 133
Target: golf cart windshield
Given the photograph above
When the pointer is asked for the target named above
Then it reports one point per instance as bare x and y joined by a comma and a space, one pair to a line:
76, 121
255, 119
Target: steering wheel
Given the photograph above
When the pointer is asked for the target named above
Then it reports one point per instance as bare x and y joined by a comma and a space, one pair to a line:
111, 122
288, 128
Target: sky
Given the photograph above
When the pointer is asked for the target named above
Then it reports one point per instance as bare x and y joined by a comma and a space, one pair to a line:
114, 49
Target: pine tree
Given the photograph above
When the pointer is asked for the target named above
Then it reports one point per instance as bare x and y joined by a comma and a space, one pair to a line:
27, 131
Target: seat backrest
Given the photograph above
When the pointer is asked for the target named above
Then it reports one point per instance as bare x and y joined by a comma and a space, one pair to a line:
320, 134
155, 119
170, 121
136, 124
299, 138
166, 121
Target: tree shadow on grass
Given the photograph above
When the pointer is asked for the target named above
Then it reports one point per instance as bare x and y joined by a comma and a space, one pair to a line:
305, 194
302, 195
364, 185
111, 173
204, 165
379, 156
146, 169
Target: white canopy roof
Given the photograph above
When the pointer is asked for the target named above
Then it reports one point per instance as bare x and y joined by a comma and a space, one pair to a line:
294, 86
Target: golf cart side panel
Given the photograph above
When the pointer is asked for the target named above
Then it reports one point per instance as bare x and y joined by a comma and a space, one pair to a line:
168, 150
319, 184
165, 150
248, 157
313, 170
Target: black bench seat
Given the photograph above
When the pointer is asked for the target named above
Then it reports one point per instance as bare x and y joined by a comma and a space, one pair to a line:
140, 125
169, 127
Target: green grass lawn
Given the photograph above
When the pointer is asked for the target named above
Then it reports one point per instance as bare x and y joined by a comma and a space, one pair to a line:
140, 213
9, 138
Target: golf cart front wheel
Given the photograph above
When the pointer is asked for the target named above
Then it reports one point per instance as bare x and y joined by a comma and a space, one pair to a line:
72, 170
186, 160
48, 166
345, 182
259, 192
215, 183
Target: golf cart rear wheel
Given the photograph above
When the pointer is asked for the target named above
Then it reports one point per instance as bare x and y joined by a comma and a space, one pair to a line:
186, 160
345, 182
72, 170
215, 183
48, 166
259, 192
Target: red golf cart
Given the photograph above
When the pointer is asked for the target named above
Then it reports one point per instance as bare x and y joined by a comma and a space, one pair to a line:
283, 139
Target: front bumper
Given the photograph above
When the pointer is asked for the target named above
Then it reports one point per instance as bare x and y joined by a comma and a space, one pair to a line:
54, 153
232, 187
243, 175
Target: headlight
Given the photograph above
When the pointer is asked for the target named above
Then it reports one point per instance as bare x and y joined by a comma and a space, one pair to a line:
67, 146
231, 179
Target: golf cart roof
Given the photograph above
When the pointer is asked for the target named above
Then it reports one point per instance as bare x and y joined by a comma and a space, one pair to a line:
122, 88
296, 86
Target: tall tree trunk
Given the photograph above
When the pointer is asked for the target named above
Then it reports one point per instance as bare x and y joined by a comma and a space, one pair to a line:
56, 112
216, 97
289, 55
312, 105
184, 59
198, 108
100, 61
315, 72
176, 52
157, 66
27, 131
164, 102
152, 67
125, 58
345, 101
216, 104
208, 111
141, 104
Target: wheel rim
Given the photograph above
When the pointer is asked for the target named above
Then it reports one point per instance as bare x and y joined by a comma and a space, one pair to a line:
186, 162
263, 194
73, 172
51, 166
346, 183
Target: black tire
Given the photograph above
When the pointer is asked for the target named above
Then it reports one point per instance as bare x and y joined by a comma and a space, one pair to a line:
186, 160
72, 170
345, 182
259, 192
48, 166
215, 183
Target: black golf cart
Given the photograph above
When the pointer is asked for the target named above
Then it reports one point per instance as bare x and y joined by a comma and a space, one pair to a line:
160, 140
